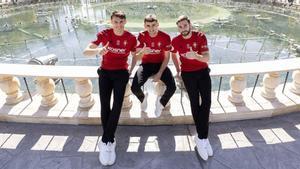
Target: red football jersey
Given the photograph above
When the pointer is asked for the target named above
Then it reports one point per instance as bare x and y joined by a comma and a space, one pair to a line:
118, 49
158, 44
198, 43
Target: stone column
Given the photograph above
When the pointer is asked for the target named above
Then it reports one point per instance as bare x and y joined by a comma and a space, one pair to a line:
237, 85
46, 87
270, 82
295, 88
127, 103
84, 88
11, 87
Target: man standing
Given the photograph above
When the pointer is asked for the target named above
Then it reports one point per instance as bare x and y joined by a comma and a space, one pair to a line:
154, 48
194, 57
117, 44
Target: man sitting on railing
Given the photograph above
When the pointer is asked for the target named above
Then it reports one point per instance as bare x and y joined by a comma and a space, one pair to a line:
194, 56
154, 46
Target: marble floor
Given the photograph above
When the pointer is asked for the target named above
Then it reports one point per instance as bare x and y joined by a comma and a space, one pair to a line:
269, 143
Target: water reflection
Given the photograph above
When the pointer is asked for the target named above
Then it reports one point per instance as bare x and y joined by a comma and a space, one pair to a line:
64, 29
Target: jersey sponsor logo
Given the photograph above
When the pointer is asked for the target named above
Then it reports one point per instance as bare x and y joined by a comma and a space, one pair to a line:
154, 51
116, 50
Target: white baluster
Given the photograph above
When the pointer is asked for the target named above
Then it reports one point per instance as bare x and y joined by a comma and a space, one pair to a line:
270, 82
84, 88
237, 85
11, 86
46, 87
295, 88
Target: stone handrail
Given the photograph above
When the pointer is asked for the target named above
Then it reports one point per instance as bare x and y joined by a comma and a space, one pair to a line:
10, 84
91, 71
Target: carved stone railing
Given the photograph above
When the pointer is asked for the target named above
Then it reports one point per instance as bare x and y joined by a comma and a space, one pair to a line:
10, 85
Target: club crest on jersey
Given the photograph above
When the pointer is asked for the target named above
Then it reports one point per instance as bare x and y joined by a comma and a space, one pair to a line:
195, 45
188, 46
159, 44
118, 42
125, 42
152, 44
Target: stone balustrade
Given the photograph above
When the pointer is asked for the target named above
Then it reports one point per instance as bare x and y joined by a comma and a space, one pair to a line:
10, 85
296, 82
84, 89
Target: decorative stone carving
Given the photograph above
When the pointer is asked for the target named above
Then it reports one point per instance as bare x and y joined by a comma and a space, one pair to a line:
295, 88
270, 82
11, 86
46, 87
237, 85
84, 88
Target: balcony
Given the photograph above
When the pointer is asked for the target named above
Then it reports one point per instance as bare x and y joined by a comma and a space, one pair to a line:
274, 97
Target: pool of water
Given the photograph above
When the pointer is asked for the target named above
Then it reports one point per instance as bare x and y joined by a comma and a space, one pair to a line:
236, 33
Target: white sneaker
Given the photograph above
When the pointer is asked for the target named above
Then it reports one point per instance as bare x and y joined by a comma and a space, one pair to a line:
208, 148
158, 107
112, 152
144, 103
103, 153
201, 144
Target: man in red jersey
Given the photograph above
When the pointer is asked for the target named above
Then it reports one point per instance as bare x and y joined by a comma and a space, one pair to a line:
194, 57
117, 44
154, 48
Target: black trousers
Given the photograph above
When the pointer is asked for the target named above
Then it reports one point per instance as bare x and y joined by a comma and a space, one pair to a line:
198, 84
111, 81
142, 75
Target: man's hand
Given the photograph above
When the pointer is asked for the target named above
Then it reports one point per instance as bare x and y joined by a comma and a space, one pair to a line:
130, 70
178, 75
145, 50
156, 77
190, 54
104, 50
194, 55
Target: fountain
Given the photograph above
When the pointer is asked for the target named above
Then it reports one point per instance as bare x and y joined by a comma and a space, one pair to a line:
238, 31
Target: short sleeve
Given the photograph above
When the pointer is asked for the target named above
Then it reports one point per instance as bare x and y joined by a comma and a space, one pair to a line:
141, 40
168, 45
203, 43
100, 39
134, 43
173, 46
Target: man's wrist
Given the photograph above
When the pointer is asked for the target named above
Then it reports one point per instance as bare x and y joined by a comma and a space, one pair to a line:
199, 55
99, 51
159, 73
140, 53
